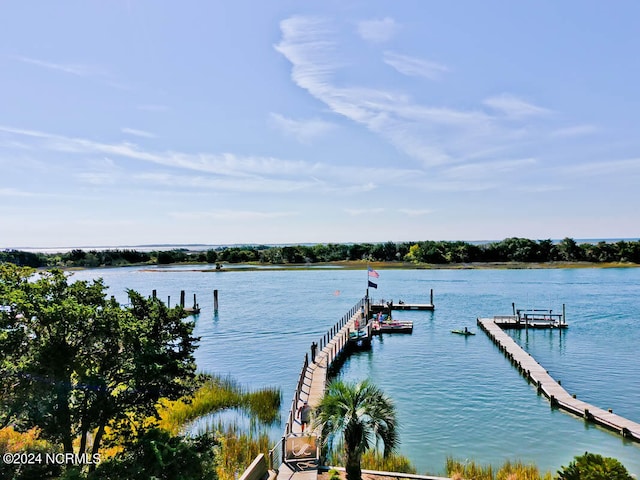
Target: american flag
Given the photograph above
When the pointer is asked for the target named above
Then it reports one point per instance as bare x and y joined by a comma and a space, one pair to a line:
373, 273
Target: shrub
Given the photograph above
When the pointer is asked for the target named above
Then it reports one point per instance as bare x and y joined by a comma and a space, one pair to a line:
592, 466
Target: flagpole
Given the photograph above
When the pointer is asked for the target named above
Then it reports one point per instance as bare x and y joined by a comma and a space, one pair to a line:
367, 295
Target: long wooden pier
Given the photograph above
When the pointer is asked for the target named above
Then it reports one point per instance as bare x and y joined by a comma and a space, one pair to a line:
311, 386
558, 396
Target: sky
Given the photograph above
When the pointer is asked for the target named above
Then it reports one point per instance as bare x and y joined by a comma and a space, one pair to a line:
136, 122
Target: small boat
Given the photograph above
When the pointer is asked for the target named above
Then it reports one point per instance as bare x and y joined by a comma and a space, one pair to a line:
396, 326
385, 324
462, 332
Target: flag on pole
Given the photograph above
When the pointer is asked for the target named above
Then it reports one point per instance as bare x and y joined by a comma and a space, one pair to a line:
373, 273
373, 285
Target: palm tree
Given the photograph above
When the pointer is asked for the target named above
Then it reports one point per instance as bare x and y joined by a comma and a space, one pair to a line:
360, 415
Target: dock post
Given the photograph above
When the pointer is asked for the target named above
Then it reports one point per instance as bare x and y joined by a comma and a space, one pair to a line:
154, 293
182, 298
195, 303
169, 301
215, 300
564, 318
431, 297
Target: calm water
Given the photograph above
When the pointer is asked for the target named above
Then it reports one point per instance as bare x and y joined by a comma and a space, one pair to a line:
455, 395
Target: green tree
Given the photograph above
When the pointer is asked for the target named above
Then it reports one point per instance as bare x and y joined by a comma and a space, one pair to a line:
359, 415
74, 362
156, 454
592, 466
569, 250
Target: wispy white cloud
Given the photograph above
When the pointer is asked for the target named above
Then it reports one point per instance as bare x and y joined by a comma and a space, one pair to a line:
377, 30
305, 131
207, 171
414, 67
435, 136
222, 164
80, 70
138, 133
513, 106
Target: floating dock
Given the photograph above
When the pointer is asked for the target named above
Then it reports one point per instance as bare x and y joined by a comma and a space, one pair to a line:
386, 306
412, 306
558, 396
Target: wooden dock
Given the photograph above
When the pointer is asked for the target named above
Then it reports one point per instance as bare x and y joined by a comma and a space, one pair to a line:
558, 396
311, 386
412, 306
386, 306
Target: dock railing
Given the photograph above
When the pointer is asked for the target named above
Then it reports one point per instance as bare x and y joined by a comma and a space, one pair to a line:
329, 347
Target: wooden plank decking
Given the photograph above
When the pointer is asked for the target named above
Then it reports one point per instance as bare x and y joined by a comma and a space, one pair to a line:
312, 388
546, 385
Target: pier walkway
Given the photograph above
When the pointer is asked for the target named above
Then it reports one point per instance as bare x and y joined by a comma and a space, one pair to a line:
558, 396
311, 387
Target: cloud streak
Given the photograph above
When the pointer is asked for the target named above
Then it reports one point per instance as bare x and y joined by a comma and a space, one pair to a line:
207, 171
414, 67
304, 131
435, 136
138, 133
514, 107
79, 70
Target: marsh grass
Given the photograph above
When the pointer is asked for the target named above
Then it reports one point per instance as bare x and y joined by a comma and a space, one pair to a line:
238, 449
374, 460
516, 470
394, 462
239, 445
218, 393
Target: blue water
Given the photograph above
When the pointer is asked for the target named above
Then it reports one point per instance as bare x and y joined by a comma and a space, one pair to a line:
454, 395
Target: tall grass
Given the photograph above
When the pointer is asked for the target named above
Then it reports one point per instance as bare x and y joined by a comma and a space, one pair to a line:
470, 470
394, 462
373, 460
237, 450
238, 447
218, 393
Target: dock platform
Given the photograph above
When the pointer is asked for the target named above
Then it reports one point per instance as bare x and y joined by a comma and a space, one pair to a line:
558, 396
412, 306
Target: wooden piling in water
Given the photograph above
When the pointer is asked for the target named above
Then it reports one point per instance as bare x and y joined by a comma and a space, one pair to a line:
215, 300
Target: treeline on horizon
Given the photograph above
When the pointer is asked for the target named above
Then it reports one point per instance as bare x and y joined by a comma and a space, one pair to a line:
431, 252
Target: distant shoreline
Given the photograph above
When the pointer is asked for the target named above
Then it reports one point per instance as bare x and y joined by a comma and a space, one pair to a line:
510, 253
361, 265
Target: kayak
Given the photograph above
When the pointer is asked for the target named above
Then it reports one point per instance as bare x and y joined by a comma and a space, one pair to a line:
462, 332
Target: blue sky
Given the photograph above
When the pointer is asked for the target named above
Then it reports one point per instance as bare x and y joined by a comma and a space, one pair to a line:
143, 122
